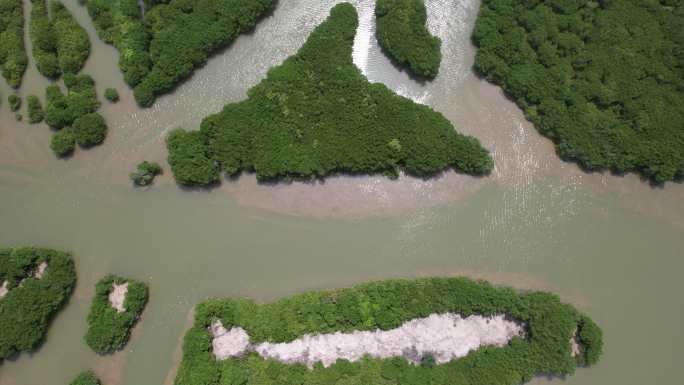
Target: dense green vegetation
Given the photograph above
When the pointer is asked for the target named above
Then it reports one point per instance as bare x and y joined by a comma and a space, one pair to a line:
119, 22
403, 35
108, 329
90, 129
30, 304
73, 45
73, 115
44, 40
173, 39
386, 305
316, 114
63, 142
86, 378
60, 45
14, 102
145, 173
13, 60
112, 95
604, 80
35, 109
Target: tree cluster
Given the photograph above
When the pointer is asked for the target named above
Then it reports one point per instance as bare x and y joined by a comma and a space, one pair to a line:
112, 95
29, 305
604, 80
162, 48
316, 114
73, 115
545, 348
60, 44
13, 60
35, 109
14, 102
145, 173
403, 35
109, 329
86, 378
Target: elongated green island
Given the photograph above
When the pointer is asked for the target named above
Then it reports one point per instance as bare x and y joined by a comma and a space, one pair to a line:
510, 336
315, 115
162, 48
13, 59
603, 79
403, 35
34, 284
116, 307
60, 44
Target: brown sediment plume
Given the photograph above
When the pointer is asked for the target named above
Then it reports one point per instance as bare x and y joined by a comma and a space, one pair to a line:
178, 351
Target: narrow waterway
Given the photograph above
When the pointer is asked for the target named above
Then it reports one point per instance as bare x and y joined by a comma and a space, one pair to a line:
610, 245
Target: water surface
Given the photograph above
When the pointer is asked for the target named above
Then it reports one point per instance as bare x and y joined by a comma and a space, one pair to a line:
610, 245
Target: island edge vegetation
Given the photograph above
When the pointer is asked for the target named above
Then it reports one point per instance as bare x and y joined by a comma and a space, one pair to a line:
384, 305
32, 299
603, 79
315, 115
402, 33
109, 329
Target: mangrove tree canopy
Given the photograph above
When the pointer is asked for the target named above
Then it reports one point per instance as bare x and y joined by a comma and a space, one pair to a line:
13, 60
32, 298
316, 114
544, 349
403, 35
173, 38
86, 378
73, 115
60, 44
109, 328
603, 79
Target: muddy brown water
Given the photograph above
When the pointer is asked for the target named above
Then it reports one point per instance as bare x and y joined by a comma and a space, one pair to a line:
611, 245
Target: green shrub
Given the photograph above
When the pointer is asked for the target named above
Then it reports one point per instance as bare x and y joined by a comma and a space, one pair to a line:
35, 109
86, 378
31, 303
13, 60
145, 173
63, 142
14, 102
175, 37
73, 45
75, 114
44, 40
81, 99
591, 341
108, 329
90, 129
188, 160
545, 349
316, 114
403, 34
112, 95
557, 60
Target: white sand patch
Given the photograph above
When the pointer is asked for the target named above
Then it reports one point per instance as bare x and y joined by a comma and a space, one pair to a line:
40, 270
118, 295
574, 343
3, 289
446, 336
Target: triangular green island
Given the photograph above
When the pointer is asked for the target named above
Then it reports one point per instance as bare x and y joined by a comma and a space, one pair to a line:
316, 114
